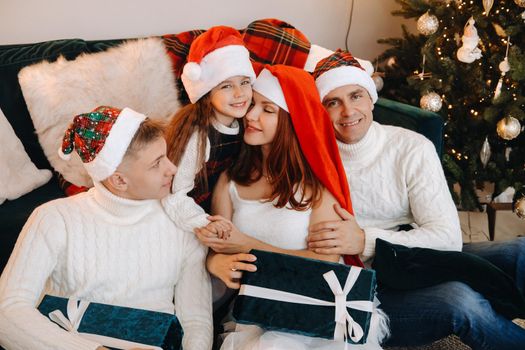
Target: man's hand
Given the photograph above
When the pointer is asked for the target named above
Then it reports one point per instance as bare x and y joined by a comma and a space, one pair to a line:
228, 267
343, 237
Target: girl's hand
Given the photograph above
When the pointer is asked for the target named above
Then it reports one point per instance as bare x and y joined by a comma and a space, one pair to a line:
237, 241
221, 228
229, 267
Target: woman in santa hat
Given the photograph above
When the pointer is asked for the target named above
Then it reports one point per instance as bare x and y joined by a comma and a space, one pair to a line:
288, 176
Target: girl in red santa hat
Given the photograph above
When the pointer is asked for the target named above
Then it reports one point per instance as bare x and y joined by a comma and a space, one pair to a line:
288, 176
204, 136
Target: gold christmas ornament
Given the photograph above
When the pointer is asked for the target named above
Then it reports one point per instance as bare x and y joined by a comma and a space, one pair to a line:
520, 3
499, 30
508, 128
519, 208
487, 5
431, 102
427, 24
484, 154
391, 62
378, 81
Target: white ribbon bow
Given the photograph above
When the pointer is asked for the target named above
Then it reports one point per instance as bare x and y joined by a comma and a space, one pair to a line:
75, 312
345, 326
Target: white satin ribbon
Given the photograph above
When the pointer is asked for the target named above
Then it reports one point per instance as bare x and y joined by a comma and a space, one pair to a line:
75, 312
345, 326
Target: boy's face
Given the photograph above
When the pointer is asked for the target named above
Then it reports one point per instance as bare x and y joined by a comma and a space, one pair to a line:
148, 172
350, 109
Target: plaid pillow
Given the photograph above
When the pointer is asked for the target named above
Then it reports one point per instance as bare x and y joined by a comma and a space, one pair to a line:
270, 41
69, 188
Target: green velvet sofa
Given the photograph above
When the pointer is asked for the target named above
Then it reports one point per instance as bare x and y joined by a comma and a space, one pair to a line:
13, 214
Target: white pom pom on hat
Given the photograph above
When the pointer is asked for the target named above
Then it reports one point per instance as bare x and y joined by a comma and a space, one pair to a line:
214, 56
192, 71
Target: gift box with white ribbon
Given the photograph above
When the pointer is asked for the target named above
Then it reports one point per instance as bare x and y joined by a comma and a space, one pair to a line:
114, 327
309, 297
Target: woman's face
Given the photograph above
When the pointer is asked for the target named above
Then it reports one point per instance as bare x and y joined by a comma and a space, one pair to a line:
261, 121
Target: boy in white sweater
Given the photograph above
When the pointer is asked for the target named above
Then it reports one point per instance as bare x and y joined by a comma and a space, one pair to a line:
396, 179
113, 244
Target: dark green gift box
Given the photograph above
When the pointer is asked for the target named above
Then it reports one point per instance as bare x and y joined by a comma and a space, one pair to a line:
146, 327
304, 277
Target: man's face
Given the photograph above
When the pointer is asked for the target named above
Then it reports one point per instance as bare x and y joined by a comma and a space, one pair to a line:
350, 108
148, 172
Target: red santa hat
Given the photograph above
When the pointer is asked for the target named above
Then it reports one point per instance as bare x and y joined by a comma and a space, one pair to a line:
339, 69
101, 139
214, 56
294, 90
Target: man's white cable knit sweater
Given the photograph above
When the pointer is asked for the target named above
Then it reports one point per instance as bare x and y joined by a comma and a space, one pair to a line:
180, 207
396, 178
103, 248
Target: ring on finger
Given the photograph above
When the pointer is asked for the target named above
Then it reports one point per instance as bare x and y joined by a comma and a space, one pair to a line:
233, 269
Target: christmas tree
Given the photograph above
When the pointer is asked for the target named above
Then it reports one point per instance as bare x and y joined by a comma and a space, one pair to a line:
467, 63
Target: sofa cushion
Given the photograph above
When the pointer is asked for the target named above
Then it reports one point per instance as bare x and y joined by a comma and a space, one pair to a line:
12, 59
13, 215
19, 175
136, 74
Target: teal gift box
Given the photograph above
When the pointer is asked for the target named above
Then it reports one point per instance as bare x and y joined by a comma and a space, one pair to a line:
306, 296
115, 327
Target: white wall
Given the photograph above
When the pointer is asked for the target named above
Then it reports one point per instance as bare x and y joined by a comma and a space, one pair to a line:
324, 22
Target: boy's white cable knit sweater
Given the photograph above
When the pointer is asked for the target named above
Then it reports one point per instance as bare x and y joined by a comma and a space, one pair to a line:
395, 178
102, 248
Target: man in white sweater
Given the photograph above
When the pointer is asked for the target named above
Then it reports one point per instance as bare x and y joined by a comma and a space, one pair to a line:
399, 194
113, 244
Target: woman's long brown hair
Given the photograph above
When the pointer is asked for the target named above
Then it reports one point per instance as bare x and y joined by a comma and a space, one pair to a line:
191, 118
287, 169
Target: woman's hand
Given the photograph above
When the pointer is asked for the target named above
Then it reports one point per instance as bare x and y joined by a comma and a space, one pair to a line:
229, 267
236, 242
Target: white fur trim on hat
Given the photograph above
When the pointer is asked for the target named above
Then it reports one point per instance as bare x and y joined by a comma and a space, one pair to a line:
345, 75
268, 85
215, 67
367, 65
116, 145
316, 54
